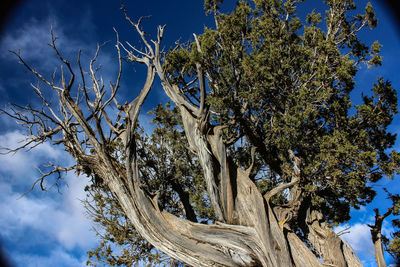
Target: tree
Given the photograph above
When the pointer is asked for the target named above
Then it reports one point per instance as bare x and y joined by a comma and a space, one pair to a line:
393, 245
379, 240
272, 145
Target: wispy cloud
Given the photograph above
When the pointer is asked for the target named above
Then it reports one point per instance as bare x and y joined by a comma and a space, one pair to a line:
32, 38
41, 220
19, 165
56, 257
359, 238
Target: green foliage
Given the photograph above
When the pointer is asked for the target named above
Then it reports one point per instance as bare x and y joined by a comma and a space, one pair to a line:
211, 5
170, 169
287, 85
392, 244
370, 16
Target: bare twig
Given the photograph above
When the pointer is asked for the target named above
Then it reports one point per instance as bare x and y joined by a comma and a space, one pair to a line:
41, 180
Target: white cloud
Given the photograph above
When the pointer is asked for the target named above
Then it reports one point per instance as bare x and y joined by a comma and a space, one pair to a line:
33, 36
56, 218
32, 39
359, 238
20, 166
60, 216
57, 257
73, 225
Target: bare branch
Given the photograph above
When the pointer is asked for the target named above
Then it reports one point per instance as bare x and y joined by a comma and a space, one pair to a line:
202, 86
114, 87
66, 62
253, 152
56, 170
137, 27
37, 90
37, 74
280, 188
344, 231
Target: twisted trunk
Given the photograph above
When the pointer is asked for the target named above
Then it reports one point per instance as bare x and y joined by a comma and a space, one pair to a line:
327, 243
377, 236
380, 260
253, 236
248, 232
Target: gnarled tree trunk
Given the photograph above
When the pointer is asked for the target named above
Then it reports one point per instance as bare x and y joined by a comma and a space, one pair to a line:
377, 236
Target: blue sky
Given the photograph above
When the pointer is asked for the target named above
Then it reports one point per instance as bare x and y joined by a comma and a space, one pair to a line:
50, 228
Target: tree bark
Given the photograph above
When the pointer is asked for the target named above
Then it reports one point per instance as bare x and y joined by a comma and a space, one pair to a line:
327, 243
377, 236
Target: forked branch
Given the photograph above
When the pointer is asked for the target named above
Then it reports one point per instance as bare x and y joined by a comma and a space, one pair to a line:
58, 170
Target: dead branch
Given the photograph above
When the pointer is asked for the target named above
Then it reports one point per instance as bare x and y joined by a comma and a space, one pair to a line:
42, 179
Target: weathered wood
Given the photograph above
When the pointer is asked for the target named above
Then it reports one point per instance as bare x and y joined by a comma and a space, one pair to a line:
377, 236
327, 243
